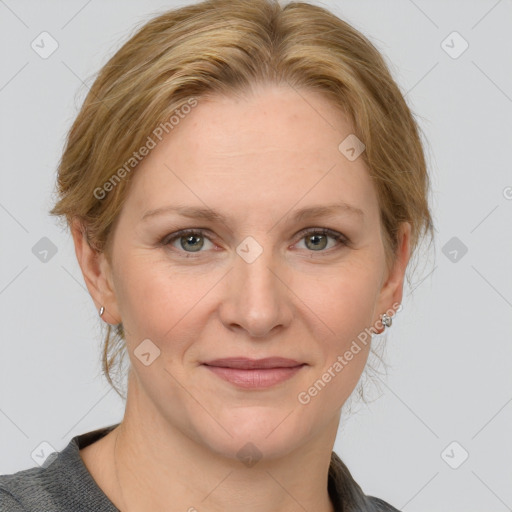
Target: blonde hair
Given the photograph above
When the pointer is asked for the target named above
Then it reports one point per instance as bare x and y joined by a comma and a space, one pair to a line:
225, 47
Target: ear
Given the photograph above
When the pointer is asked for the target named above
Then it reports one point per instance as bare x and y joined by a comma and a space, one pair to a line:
97, 274
392, 290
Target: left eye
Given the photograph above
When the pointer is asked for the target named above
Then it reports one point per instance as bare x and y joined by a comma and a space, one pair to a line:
316, 239
189, 238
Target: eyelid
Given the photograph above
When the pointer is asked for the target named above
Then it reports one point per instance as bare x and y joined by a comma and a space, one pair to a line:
324, 231
340, 238
167, 239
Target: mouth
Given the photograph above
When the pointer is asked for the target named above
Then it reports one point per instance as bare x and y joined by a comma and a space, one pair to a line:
254, 373
244, 363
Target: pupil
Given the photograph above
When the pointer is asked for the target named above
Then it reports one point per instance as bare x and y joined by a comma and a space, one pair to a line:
316, 237
190, 239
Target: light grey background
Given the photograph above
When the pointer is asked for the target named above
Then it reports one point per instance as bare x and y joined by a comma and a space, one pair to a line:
449, 349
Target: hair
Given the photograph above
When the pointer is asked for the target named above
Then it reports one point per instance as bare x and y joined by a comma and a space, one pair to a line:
225, 47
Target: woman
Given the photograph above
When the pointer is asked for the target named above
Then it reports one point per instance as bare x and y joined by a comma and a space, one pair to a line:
245, 186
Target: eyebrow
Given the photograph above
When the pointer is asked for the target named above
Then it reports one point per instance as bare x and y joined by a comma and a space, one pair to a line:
212, 215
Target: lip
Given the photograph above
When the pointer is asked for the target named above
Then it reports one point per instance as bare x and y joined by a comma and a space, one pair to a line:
254, 373
245, 363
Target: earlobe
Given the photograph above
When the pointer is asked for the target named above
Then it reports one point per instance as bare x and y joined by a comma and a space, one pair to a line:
97, 274
392, 290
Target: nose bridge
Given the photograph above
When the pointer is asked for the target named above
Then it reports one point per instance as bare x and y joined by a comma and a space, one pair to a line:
257, 296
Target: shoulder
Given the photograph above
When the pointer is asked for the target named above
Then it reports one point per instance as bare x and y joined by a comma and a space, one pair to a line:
381, 505
22, 490
38, 488
8, 503
347, 495
62, 483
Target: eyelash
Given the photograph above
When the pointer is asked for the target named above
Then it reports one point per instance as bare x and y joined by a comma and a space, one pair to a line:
341, 240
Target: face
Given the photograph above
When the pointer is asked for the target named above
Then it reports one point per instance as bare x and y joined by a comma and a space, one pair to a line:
255, 281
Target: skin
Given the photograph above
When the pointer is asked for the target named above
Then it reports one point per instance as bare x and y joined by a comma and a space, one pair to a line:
255, 159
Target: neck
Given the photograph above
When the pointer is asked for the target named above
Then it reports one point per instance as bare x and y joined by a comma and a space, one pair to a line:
159, 467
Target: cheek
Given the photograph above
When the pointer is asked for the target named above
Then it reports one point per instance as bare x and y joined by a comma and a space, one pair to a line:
141, 295
344, 351
155, 300
344, 300
344, 303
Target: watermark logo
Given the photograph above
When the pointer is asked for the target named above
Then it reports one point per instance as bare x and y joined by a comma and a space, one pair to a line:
44, 250
305, 397
454, 249
44, 45
137, 156
454, 455
454, 45
146, 352
44, 454
249, 249
249, 455
351, 147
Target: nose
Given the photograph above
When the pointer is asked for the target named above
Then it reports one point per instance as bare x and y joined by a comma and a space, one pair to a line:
256, 298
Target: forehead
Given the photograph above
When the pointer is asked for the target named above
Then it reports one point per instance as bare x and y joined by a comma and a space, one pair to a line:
271, 149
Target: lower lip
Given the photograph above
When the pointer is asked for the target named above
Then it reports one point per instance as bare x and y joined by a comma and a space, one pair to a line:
259, 378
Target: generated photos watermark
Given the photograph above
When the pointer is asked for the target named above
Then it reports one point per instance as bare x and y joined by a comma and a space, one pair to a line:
137, 156
305, 397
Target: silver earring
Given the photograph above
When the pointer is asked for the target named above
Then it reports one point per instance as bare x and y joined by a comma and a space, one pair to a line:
102, 310
386, 320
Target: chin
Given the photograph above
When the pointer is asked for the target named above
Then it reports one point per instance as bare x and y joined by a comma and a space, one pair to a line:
254, 434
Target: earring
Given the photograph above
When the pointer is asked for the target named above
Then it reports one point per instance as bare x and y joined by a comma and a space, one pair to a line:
102, 310
386, 320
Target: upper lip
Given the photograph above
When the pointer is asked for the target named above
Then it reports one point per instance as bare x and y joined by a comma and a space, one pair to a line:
245, 363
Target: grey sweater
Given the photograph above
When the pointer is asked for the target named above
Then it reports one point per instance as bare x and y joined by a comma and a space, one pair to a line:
63, 484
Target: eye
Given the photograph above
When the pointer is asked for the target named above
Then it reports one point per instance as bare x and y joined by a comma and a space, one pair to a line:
316, 239
192, 241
